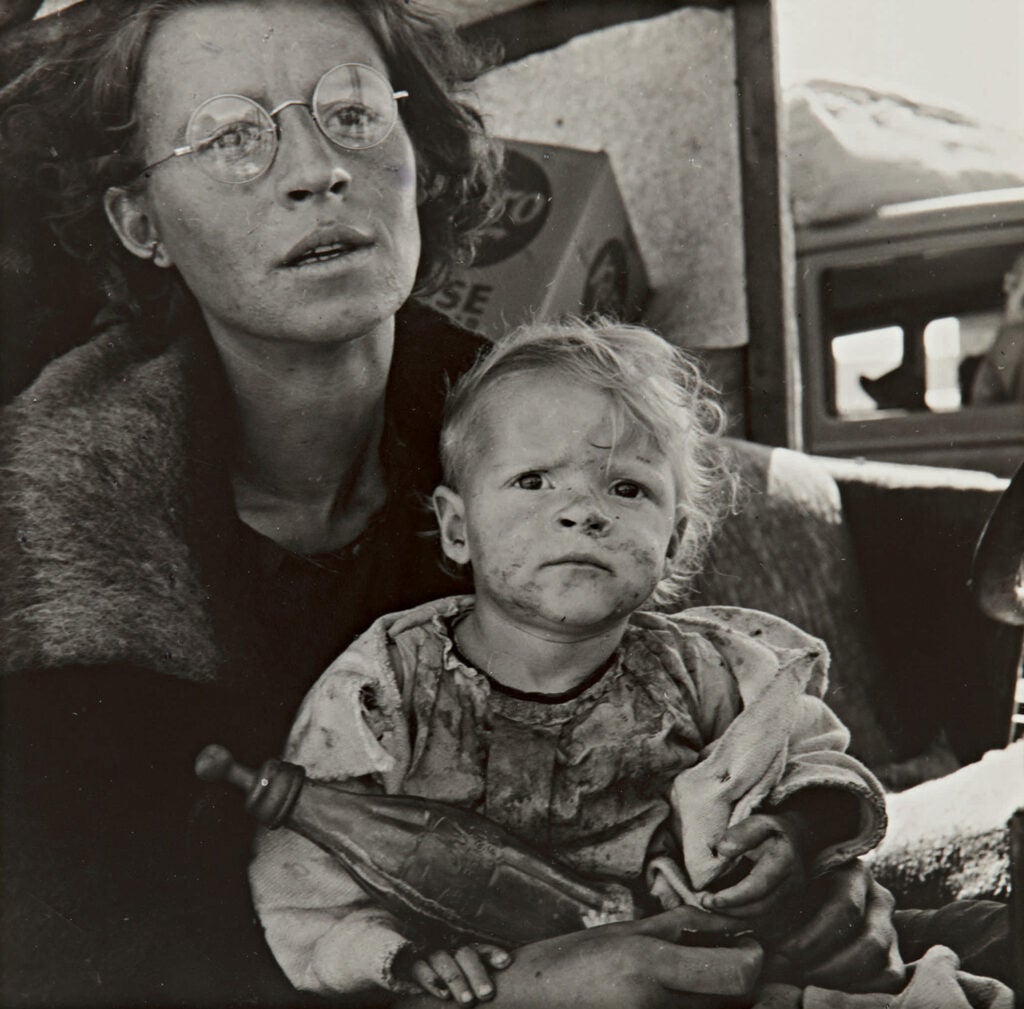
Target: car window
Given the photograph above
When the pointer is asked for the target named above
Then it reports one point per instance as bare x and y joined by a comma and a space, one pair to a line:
874, 370
912, 333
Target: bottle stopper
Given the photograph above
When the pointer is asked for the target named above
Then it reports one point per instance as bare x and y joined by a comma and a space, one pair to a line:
270, 793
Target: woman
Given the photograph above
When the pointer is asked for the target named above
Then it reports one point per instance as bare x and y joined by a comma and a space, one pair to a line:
210, 498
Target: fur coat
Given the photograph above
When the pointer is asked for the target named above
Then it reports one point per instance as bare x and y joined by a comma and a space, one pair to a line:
116, 507
134, 613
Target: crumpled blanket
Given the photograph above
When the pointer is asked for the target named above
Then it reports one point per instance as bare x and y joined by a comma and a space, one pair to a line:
706, 800
934, 982
783, 740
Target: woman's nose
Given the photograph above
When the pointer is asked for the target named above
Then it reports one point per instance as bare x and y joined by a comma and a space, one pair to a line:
310, 165
586, 515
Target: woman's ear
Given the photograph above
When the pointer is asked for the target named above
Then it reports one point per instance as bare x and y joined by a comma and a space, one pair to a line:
133, 222
451, 520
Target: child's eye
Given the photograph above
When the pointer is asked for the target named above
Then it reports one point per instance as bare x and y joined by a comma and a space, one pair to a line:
627, 489
529, 481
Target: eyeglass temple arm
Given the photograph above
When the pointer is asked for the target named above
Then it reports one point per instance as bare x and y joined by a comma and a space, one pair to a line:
178, 152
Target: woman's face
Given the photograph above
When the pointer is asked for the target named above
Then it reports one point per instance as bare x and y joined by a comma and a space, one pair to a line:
237, 246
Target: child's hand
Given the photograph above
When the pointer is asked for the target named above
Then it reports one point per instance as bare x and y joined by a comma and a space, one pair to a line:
771, 844
461, 974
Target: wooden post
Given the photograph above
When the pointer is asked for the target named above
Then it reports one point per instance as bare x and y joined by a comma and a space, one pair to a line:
773, 368
772, 403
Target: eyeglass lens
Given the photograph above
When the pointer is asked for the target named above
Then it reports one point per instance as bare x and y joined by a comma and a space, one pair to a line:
354, 106
234, 139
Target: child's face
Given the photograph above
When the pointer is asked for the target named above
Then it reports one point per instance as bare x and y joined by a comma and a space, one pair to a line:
568, 528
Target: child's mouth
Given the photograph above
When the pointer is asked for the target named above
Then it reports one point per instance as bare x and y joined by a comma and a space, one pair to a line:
580, 560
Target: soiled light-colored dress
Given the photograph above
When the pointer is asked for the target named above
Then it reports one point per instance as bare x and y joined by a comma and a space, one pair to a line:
587, 778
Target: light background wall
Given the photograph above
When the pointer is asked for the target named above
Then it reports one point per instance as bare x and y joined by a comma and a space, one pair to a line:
658, 96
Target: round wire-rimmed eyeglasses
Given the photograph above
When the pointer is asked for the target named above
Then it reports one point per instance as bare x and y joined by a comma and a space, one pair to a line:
234, 139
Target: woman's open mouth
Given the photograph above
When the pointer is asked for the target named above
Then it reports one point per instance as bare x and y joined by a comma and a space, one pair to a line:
323, 254
327, 244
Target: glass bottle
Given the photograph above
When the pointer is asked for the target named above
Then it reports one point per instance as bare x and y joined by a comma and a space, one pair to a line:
442, 870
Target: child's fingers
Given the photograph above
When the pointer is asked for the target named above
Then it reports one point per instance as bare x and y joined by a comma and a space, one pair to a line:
774, 864
475, 973
746, 912
746, 835
426, 977
497, 957
449, 971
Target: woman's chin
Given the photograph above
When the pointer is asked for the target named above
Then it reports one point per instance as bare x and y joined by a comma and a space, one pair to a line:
346, 303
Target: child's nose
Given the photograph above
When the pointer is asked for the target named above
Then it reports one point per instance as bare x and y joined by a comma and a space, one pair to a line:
586, 515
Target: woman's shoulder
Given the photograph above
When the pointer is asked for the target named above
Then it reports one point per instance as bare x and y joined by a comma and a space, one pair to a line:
95, 373
93, 454
109, 412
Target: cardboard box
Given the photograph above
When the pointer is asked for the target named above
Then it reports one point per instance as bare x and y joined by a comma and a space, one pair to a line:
562, 246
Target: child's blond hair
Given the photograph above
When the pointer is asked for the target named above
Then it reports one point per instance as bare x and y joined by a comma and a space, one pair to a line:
653, 386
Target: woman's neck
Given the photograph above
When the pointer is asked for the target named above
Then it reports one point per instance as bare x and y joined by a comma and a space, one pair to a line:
531, 661
307, 470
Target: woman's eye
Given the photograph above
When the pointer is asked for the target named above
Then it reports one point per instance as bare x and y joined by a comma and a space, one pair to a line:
350, 119
238, 138
627, 489
529, 481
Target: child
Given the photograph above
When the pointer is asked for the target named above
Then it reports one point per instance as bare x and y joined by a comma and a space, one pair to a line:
664, 752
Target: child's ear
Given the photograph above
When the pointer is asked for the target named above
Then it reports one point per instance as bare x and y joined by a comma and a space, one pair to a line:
673, 544
451, 520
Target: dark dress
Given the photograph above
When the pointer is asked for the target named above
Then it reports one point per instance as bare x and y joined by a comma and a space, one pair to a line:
123, 877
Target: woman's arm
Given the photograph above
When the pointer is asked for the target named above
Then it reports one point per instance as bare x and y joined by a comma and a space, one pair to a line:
629, 965
123, 878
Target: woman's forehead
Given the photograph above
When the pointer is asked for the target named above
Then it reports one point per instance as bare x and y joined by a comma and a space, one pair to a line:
270, 50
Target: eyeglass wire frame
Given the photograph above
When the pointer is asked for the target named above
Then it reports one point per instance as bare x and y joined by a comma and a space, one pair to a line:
180, 152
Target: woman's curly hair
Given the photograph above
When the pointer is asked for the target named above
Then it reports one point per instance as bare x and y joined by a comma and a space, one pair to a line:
75, 133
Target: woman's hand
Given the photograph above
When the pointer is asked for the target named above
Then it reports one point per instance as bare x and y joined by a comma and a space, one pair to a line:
771, 845
631, 965
849, 940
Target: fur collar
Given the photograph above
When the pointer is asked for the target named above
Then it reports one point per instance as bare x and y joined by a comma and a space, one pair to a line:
94, 566
116, 519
